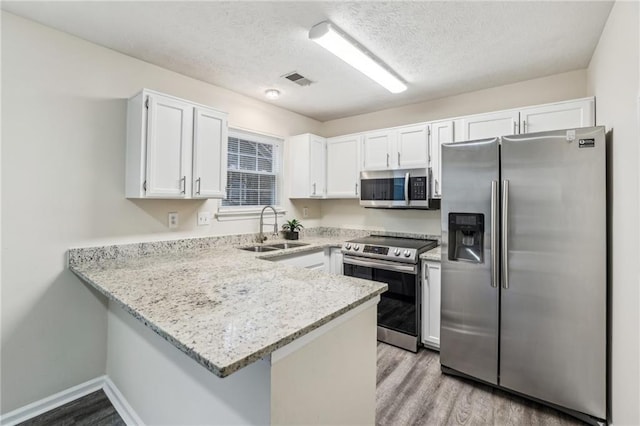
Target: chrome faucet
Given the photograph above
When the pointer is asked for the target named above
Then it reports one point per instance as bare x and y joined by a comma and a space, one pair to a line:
261, 237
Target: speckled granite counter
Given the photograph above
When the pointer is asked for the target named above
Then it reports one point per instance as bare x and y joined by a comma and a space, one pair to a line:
432, 255
222, 306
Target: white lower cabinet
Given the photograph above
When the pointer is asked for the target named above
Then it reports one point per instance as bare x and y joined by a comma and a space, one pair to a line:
431, 304
333, 261
314, 260
328, 260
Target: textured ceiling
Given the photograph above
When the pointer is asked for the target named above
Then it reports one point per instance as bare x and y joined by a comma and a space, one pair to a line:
439, 48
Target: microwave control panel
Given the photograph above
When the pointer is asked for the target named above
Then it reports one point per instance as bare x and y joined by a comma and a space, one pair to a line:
418, 188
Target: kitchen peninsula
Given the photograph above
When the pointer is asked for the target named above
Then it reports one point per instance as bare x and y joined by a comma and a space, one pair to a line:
272, 343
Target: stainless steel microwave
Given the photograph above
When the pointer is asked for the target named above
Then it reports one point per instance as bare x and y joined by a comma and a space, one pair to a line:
397, 189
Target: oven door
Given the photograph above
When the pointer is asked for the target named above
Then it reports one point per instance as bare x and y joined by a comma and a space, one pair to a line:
399, 307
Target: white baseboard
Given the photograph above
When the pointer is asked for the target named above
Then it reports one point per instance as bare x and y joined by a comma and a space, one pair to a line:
121, 405
34, 409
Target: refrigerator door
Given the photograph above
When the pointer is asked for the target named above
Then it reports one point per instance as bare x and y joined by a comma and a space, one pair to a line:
469, 297
553, 296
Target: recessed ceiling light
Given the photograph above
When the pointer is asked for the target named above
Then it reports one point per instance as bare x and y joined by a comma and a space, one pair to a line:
327, 35
272, 94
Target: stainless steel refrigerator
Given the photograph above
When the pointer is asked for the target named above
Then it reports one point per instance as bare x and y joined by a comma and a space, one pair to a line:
524, 266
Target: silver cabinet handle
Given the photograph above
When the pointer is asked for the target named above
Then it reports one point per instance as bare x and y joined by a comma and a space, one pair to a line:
406, 188
398, 158
198, 186
524, 126
437, 187
183, 185
314, 189
356, 189
515, 128
387, 159
505, 234
494, 233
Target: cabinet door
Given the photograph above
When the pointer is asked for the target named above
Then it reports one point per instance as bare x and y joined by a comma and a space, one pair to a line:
431, 304
376, 151
336, 261
563, 115
490, 125
209, 154
343, 167
441, 132
317, 166
413, 146
169, 136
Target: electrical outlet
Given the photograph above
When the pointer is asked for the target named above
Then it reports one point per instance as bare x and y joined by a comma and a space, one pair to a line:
173, 220
305, 212
204, 218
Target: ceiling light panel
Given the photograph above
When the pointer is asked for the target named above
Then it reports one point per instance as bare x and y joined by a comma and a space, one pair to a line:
327, 35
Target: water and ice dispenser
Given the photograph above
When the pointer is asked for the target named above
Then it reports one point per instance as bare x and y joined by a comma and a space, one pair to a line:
466, 231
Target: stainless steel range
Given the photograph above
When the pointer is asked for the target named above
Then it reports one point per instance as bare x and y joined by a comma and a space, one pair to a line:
395, 261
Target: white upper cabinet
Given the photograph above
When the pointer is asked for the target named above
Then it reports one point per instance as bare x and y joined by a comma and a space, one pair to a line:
557, 116
209, 148
413, 146
165, 145
441, 132
343, 166
401, 147
490, 125
169, 136
307, 160
377, 148
317, 166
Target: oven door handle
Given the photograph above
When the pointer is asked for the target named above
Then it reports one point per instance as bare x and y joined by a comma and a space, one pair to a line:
380, 264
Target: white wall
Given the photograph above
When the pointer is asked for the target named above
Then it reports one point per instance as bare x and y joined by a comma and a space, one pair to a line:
613, 78
63, 140
348, 213
557, 87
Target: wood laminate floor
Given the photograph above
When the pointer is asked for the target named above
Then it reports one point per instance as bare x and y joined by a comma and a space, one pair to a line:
411, 390
93, 409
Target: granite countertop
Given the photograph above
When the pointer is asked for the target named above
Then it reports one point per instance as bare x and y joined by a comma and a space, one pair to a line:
222, 306
432, 255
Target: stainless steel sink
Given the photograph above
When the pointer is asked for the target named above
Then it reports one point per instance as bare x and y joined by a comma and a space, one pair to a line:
281, 246
259, 249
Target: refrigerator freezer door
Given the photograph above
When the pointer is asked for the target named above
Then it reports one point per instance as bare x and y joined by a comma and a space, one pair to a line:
553, 312
469, 301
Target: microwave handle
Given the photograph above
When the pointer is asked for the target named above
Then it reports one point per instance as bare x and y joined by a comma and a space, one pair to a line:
406, 188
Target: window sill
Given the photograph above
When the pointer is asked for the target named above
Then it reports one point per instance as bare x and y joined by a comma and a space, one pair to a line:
228, 214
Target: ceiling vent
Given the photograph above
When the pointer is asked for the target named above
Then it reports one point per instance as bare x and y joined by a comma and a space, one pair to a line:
298, 79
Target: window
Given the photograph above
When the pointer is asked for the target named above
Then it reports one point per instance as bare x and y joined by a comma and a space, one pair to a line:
253, 165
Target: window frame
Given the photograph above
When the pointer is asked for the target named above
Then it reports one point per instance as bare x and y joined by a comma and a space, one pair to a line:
250, 212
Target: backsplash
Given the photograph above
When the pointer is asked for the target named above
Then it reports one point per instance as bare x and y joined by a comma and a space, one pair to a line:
77, 256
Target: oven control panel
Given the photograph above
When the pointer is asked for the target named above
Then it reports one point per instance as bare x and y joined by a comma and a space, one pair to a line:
376, 250
397, 254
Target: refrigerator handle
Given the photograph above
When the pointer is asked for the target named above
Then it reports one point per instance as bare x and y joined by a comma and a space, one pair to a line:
495, 224
505, 234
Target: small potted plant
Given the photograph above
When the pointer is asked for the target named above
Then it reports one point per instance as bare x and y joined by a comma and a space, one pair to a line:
290, 229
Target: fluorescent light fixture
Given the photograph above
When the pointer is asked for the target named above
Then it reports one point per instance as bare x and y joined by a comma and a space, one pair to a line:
272, 94
335, 41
